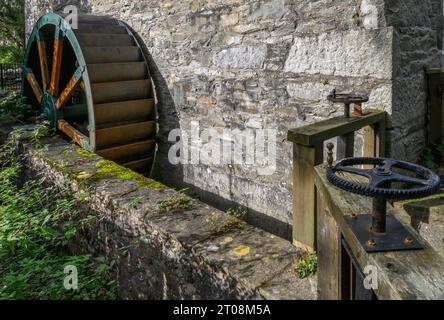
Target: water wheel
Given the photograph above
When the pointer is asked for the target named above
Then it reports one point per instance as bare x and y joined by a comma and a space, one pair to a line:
93, 84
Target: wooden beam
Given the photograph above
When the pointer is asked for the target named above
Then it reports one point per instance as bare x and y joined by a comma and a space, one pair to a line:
34, 84
41, 46
318, 132
56, 63
70, 87
369, 142
71, 132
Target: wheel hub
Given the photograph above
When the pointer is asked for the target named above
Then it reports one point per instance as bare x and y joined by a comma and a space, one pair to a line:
49, 110
380, 171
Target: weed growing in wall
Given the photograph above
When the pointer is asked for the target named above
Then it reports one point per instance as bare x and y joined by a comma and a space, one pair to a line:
232, 220
307, 266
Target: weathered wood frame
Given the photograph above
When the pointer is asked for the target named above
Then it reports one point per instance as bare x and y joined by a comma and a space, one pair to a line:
308, 144
415, 274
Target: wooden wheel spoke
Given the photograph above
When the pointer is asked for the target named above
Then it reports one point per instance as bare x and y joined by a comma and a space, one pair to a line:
72, 132
34, 84
56, 62
41, 45
70, 87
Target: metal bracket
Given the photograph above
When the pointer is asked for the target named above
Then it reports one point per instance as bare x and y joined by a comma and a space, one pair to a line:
396, 238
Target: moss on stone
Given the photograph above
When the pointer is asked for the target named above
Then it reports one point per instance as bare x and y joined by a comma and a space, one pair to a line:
84, 153
108, 169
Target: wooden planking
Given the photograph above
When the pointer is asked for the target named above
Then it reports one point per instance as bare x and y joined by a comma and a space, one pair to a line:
71, 132
304, 204
124, 134
130, 110
318, 132
100, 28
416, 274
110, 72
141, 165
107, 92
129, 151
104, 40
112, 54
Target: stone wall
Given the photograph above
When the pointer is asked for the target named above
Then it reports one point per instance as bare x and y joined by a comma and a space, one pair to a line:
254, 64
164, 244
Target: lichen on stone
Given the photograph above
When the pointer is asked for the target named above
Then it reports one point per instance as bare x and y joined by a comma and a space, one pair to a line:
109, 169
241, 251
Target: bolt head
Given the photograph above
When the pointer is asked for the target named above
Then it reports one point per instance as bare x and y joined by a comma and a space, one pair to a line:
408, 241
371, 242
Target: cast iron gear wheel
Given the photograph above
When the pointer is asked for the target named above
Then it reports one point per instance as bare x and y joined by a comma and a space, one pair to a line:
381, 176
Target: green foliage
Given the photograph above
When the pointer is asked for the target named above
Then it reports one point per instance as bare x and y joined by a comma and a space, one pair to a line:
307, 266
40, 131
37, 222
12, 30
13, 108
8, 151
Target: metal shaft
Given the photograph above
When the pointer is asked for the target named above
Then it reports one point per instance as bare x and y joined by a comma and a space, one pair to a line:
379, 213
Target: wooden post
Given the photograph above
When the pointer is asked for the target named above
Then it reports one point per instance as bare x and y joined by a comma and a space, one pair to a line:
345, 146
374, 140
304, 222
328, 250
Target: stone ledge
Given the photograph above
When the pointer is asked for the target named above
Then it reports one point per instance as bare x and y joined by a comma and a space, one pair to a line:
172, 249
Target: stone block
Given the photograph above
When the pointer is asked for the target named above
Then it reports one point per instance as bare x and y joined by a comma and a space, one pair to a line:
244, 57
353, 53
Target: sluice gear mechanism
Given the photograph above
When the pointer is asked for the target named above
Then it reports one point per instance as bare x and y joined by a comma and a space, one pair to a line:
385, 179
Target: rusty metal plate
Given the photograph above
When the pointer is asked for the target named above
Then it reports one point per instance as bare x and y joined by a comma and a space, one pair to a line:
396, 238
